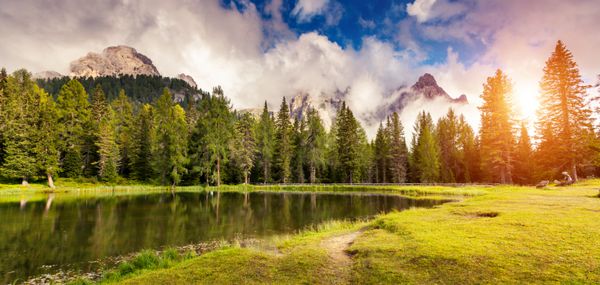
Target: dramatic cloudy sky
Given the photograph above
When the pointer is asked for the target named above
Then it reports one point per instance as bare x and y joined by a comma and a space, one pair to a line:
266, 49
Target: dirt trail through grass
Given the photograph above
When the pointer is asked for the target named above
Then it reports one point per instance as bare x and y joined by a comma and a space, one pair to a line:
336, 247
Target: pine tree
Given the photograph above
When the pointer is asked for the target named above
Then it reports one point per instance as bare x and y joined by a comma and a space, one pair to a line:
381, 154
123, 109
244, 149
497, 129
283, 143
564, 119
349, 141
46, 147
299, 150
3, 108
22, 98
213, 135
108, 149
315, 144
141, 162
447, 136
74, 119
265, 138
425, 156
469, 152
398, 150
523, 158
170, 139
99, 109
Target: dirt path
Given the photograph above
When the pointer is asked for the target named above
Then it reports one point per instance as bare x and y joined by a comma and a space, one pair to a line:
336, 249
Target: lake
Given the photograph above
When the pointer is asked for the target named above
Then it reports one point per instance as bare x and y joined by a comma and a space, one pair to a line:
69, 232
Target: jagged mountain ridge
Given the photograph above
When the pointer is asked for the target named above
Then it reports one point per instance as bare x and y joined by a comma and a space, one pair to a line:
426, 88
113, 61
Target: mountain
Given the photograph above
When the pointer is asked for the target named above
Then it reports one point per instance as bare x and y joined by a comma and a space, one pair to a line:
426, 88
188, 79
113, 61
48, 74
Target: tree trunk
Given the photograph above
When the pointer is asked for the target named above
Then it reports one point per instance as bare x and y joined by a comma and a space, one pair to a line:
574, 170
245, 177
50, 181
313, 174
218, 171
350, 177
265, 173
502, 176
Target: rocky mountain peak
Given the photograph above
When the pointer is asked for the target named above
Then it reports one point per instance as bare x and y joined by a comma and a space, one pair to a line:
427, 86
188, 79
48, 74
113, 61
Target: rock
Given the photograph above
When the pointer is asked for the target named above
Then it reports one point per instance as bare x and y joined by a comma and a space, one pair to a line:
113, 61
542, 184
48, 74
188, 79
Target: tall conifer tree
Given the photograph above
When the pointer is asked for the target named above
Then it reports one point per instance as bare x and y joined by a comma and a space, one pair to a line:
564, 119
283, 143
265, 136
496, 131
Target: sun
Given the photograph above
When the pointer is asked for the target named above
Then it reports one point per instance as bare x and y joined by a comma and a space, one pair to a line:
526, 102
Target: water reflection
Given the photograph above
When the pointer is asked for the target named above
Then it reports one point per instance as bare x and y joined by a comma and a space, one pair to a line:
73, 232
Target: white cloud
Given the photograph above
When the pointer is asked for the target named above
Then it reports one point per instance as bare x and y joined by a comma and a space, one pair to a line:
306, 9
421, 9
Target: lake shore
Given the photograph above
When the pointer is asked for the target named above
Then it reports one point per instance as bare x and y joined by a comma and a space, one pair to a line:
501, 234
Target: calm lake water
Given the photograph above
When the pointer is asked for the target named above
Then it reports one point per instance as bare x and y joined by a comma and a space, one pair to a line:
70, 232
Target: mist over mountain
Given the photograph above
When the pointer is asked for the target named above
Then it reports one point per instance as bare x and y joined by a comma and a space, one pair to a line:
124, 67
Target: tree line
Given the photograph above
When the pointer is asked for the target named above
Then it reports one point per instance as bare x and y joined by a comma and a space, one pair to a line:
205, 141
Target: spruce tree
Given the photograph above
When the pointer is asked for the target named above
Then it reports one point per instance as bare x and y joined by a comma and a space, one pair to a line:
46, 147
447, 136
315, 144
169, 145
349, 142
381, 154
496, 131
469, 152
244, 149
3, 108
123, 109
99, 109
265, 140
212, 137
425, 156
564, 122
398, 150
523, 158
20, 132
108, 149
141, 162
74, 120
283, 143
299, 150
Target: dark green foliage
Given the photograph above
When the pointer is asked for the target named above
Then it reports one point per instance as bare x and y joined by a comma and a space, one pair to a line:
169, 143
315, 145
244, 145
141, 164
74, 120
213, 136
265, 138
140, 88
352, 147
124, 129
425, 164
283, 144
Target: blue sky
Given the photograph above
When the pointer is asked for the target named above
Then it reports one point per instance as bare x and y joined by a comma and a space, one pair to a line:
348, 22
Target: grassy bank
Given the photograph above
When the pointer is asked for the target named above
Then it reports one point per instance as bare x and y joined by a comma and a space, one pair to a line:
507, 235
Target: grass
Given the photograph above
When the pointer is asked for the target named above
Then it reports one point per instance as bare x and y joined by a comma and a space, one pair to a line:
505, 235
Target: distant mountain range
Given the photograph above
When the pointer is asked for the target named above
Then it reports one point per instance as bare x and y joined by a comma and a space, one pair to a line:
119, 61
